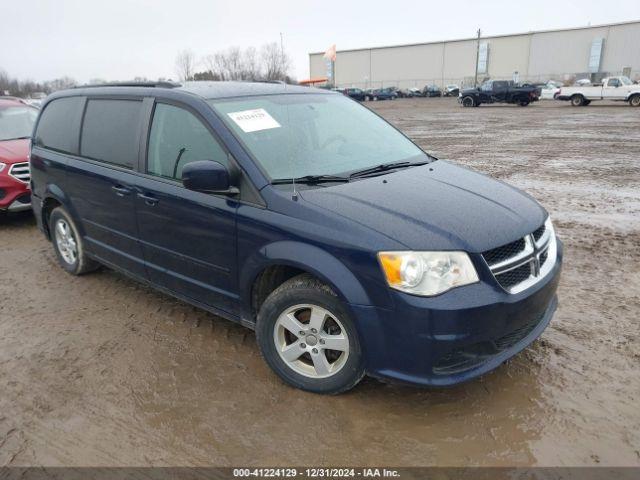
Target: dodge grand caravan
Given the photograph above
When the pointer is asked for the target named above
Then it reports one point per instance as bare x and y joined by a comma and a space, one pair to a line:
303, 215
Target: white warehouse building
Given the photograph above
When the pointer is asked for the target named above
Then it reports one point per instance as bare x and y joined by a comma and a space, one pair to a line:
563, 55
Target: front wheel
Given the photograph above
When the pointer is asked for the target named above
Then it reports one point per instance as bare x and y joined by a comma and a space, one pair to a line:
468, 102
523, 103
308, 338
635, 101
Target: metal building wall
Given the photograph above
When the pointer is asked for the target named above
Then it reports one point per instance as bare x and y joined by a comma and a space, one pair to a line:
537, 56
555, 54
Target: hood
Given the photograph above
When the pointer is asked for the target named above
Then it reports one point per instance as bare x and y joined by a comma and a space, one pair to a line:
438, 206
14, 151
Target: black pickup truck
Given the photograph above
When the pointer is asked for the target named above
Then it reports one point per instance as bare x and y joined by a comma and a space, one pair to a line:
499, 91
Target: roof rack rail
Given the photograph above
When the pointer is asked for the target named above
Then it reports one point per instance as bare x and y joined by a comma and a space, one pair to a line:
133, 84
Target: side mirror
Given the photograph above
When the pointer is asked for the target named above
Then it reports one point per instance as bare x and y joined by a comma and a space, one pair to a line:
207, 176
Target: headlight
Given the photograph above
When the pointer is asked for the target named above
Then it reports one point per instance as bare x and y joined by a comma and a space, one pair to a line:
427, 273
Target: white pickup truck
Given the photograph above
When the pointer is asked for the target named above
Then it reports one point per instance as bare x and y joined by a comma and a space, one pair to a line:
612, 88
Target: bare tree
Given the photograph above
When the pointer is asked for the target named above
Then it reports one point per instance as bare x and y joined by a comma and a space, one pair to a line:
185, 65
251, 65
237, 64
275, 62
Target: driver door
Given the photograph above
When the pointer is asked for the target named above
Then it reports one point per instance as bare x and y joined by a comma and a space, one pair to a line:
188, 238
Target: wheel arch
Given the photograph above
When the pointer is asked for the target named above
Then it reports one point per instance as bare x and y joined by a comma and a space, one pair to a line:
292, 258
54, 197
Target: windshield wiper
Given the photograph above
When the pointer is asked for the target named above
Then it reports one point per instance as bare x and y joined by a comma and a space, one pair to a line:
311, 179
385, 167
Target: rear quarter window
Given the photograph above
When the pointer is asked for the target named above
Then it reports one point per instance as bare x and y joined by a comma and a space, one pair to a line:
59, 125
110, 131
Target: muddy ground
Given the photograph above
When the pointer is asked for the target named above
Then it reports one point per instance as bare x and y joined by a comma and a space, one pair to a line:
101, 371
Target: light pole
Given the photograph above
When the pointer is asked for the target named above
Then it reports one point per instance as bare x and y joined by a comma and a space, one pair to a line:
475, 77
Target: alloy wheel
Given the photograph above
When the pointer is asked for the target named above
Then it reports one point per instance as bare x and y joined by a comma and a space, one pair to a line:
66, 242
311, 341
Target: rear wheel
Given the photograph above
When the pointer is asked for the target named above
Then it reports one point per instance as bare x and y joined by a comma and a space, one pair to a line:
577, 100
308, 338
468, 102
68, 244
634, 101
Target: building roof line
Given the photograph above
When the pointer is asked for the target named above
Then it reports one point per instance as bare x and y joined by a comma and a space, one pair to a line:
519, 34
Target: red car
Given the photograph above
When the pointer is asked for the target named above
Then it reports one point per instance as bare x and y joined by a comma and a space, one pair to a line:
16, 125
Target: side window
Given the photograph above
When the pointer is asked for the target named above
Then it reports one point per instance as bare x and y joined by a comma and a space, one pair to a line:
59, 125
614, 82
110, 131
178, 137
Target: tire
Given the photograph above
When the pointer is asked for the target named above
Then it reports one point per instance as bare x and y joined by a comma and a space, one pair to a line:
523, 103
375, 99
68, 244
318, 369
577, 100
468, 101
634, 101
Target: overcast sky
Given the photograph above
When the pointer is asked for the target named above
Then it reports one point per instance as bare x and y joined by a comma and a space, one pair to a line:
122, 39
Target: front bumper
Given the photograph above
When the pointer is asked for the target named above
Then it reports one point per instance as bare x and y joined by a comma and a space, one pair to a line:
457, 336
14, 194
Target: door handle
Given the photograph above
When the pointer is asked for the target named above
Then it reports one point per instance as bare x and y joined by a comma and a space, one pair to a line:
148, 199
121, 191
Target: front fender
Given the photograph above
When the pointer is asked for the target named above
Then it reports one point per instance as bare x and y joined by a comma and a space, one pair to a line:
306, 257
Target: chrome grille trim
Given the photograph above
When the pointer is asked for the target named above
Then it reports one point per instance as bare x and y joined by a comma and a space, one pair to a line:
540, 255
20, 171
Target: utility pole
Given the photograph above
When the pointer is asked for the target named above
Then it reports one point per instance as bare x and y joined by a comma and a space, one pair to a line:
475, 78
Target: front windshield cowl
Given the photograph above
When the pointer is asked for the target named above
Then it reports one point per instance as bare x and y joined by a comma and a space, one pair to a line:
313, 134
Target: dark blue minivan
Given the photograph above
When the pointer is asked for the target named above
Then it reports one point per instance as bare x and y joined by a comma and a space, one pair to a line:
303, 215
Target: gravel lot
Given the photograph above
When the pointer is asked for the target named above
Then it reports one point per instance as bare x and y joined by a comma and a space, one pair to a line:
101, 371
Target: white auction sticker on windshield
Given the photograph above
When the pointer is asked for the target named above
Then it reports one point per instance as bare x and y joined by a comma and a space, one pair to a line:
254, 120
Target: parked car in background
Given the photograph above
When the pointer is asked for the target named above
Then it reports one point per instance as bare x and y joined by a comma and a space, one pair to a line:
432, 91
416, 92
355, 93
451, 90
612, 88
550, 90
304, 216
380, 94
404, 93
16, 125
498, 91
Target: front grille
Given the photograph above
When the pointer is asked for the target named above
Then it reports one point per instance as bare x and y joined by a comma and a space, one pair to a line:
513, 277
504, 252
520, 264
537, 234
20, 171
543, 257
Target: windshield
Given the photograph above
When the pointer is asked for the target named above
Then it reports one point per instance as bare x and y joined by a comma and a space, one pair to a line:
626, 81
16, 122
296, 135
